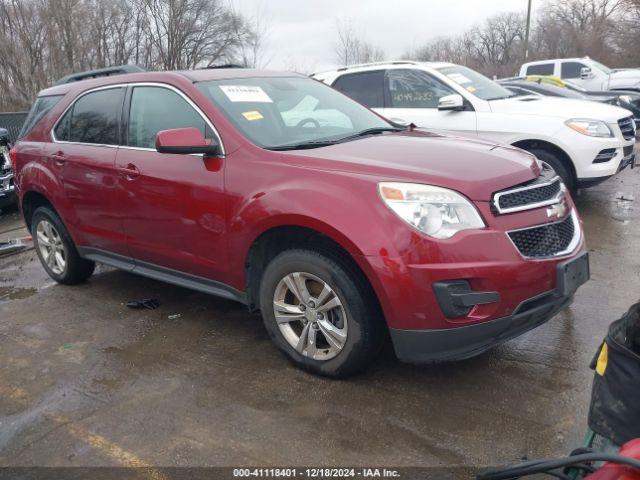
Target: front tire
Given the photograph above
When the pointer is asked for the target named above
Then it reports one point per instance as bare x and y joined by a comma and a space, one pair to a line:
320, 312
557, 165
56, 250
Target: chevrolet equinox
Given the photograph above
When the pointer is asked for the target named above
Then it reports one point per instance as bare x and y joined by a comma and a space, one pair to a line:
275, 190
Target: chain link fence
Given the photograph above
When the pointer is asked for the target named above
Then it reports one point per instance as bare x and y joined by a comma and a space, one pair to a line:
12, 121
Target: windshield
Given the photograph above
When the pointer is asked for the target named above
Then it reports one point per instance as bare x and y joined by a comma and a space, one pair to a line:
476, 83
602, 67
277, 112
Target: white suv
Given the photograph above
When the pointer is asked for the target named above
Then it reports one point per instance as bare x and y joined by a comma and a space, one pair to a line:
585, 72
584, 142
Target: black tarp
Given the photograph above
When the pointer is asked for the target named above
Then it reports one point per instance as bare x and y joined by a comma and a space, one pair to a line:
615, 398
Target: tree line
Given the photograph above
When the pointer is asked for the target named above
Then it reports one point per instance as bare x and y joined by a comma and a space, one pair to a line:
43, 40
606, 30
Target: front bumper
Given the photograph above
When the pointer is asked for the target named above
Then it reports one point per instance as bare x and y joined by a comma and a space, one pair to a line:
629, 161
433, 346
7, 190
439, 345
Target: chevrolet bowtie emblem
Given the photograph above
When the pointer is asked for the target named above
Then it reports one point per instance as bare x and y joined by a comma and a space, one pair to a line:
558, 210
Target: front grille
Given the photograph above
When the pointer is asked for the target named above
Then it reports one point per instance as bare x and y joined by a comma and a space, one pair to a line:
545, 240
628, 128
628, 150
542, 191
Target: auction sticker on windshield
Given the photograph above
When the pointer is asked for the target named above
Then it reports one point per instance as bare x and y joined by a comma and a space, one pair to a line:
245, 93
459, 78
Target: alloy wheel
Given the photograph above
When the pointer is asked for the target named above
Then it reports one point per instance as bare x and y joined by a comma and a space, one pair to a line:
51, 247
310, 316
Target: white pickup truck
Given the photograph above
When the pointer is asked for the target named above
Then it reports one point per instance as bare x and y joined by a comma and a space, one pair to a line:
584, 142
586, 73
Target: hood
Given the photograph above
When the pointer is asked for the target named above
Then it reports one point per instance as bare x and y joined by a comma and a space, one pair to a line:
627, 74
474, 168
624, 79
564, 108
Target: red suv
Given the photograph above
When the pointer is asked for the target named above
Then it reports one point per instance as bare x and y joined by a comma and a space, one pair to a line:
279, 192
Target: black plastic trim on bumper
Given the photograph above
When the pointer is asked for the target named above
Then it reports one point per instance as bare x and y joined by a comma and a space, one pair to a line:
456, 298
628, 161
443, 345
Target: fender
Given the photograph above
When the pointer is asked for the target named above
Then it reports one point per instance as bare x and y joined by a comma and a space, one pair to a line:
35, 177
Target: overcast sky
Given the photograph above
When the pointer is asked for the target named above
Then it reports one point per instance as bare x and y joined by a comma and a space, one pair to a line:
302, 33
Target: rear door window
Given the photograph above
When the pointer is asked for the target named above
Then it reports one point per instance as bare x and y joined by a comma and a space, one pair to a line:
414, 89
93, 118
366, 88
157, 108
39, 109
540, 69
572, 69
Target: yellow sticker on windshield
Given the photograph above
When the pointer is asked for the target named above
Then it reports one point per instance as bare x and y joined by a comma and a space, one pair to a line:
471, 88
252, 115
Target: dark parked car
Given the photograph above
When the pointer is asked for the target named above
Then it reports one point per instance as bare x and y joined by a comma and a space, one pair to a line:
7, 190
277, 191
624, 99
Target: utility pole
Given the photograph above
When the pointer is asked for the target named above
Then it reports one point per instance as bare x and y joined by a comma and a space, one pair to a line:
526, 35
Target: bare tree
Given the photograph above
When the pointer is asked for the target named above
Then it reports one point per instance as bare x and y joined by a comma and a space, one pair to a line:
441, 49
252, 52
192, 33
604, 29
351, 49
44, 40
581, 27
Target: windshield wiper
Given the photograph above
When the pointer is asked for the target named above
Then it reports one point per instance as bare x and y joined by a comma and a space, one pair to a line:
303, 145
370, 131
326, 143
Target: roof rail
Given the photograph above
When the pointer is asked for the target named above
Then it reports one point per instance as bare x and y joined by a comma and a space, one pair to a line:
371, 64
226, 65
374, 64
101, 72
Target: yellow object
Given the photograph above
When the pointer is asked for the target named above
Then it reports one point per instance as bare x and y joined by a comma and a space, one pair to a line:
253, 115
548, 79
601, 366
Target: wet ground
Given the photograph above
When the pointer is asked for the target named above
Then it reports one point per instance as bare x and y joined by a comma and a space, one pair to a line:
84, 381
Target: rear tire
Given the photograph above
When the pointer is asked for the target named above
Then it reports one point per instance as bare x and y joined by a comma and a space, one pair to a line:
557, 165
328, 321
56, 250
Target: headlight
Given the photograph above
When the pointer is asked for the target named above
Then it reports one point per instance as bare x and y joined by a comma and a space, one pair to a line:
592, 128
626, 98
436, 211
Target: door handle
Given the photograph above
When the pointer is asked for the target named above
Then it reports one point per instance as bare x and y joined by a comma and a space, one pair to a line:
59, 158
130, 172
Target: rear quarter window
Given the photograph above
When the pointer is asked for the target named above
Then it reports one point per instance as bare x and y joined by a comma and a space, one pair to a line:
40, 108
366, 88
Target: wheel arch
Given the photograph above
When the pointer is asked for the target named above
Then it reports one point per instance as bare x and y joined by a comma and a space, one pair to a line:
31, 201
279, 238
532, 144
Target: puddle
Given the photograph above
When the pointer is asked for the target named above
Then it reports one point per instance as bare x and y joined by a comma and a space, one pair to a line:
16, 293
622, 207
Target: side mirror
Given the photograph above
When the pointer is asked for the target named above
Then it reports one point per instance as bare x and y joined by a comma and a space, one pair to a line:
400, 122
186, 141
585, 73
4, 137
451, 102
